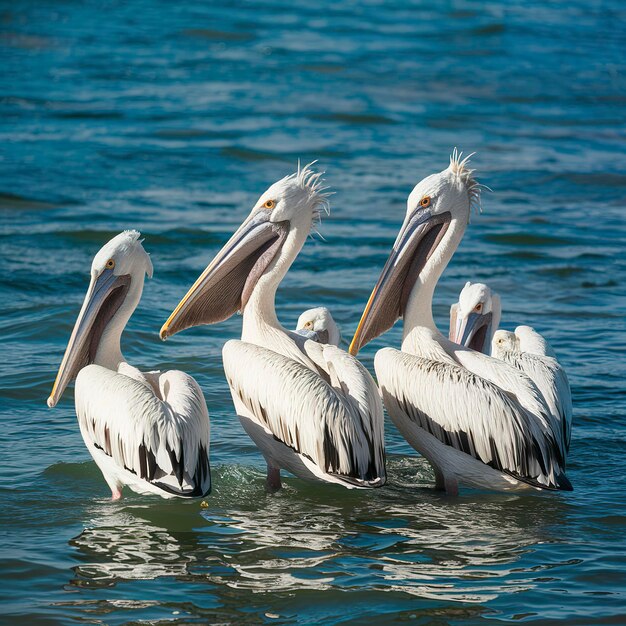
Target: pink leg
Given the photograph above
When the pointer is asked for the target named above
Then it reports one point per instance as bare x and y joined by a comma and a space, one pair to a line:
116, 494
272, 482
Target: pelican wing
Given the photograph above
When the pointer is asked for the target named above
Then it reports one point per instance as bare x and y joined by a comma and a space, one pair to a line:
552, 383
472, 415
160, 434
506, 377
337, 425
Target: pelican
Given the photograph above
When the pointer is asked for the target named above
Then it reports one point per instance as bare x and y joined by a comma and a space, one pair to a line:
311, 409
474, 322
544, 370
475, 317
318, 324
147, 430
477, 420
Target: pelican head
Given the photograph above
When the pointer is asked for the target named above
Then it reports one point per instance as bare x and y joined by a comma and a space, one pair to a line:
267, 241
437, 202
504, 342
320, 323
117, 275
475, 316
531, 341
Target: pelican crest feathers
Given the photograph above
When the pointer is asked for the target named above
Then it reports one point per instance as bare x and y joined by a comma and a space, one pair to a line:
465, 175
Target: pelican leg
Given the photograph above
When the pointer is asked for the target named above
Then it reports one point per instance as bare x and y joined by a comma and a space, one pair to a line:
272, 482
451, 486
446, 483
115, 487
440, 483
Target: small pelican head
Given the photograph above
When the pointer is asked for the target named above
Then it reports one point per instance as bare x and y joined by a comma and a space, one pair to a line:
475, 317
281, 218
117, 275
503, 342
320, 323
531, 341
434, 203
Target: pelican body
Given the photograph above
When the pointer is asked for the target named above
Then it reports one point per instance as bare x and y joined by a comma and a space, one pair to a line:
479, 421
147, 430
529, 352
311, 408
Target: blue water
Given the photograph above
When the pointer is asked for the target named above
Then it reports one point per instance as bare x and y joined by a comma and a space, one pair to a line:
172, 117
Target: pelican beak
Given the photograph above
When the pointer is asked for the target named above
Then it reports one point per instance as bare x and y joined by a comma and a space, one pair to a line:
104, 297
227, 283
418, 238
473, 331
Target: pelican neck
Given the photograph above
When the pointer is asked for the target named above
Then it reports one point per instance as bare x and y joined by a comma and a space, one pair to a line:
419, 309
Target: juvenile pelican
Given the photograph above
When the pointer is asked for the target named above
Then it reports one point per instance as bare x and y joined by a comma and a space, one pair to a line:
475, 317
318, 324
312, 409
478, 420
474, 322
147, 430
544, 370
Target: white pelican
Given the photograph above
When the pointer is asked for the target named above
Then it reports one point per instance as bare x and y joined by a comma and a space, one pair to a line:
478, 420
474, 323
475, 317
318, 324
312, 409
518, 349
147, 430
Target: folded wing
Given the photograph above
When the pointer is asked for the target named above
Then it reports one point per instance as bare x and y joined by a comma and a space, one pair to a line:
159, 435
552, 383
472, 415
337, 424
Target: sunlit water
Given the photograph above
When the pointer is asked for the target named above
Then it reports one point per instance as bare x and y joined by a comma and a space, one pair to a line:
172, 118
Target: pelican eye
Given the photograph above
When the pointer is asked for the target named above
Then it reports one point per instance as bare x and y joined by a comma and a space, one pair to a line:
110, 264
425, 202
270, 204
479, 308
309, 325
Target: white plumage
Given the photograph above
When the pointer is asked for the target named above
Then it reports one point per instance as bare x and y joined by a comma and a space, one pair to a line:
474, 322
478, 420
547, 374
147, 430
310, 408
335, 425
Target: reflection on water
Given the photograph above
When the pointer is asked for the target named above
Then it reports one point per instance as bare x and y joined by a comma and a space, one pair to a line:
124, 547
406, 539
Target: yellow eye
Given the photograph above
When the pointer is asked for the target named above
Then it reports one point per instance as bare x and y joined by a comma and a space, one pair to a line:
110, 264
309, 325
425, 201
270, 204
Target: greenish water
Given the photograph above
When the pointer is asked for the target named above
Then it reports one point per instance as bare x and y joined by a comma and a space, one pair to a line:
172, 118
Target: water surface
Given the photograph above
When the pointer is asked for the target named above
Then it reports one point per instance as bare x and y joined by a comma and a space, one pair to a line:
172, 118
